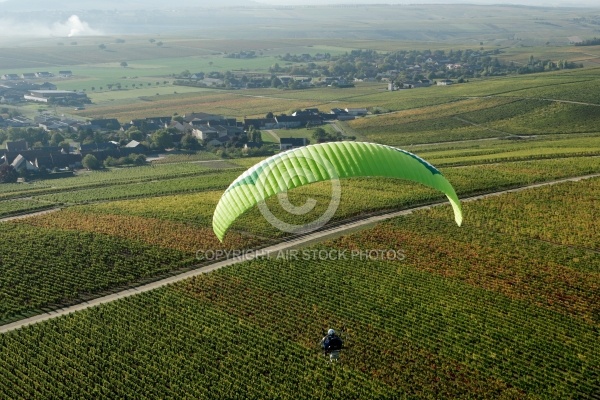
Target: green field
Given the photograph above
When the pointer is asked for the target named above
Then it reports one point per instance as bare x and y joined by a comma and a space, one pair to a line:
450, 321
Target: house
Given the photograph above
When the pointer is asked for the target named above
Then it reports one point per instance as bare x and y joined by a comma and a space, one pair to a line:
65, 74
260, 123
445, 82
135, 146
28, 75
292, 143
213, 81
17, 146
20, 163
291, 121
44, 74
357, 112
58, 160
197, 76
45, 96
148, 124
92, 147
205, 132
10, 77
306, 112
11, 97
46, 86
201, 118
105, 124
227, 131
181, 127
19, 122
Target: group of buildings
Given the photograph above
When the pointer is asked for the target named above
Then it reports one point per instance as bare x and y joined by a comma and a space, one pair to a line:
208, 129
30, 86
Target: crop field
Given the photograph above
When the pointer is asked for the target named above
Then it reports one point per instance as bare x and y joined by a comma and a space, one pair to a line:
487, 310
12, 207
514, 150
182, 223
184, 158
479, 118
115, 176
214, 102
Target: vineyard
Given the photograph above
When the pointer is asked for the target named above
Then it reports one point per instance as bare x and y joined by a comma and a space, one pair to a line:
182, 223
479, 118
490, 310
507, 306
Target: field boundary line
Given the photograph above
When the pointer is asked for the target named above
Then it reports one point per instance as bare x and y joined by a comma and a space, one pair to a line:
30, 214
304, 240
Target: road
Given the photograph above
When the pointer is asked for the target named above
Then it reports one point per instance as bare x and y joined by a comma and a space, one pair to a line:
27, 215
301, 241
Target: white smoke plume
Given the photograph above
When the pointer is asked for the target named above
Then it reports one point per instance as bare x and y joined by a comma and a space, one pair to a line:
72, 27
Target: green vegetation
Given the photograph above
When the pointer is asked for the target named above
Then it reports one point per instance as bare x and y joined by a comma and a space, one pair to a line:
452, 319
12, 207
182, 222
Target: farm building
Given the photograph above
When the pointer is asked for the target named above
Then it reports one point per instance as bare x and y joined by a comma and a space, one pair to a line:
292, 143
45, 96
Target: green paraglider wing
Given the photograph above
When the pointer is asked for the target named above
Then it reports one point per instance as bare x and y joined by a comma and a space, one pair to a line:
321, 162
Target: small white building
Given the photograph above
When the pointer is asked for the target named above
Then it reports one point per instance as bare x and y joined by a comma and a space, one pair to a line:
357, 112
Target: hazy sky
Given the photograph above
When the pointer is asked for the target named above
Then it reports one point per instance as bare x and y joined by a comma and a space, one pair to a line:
564, 3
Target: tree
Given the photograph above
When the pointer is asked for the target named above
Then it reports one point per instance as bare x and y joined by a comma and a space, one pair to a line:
8, 174
90, 162
161, 140
124, 64
102, 46
64, 145
139, 159
319, 135
256, 136
152, 40
269, 115
135, 134
56, 139
189, 142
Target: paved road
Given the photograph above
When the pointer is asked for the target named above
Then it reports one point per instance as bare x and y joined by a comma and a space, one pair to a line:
271, 250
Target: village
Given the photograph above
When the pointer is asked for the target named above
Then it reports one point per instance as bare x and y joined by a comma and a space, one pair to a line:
50, 146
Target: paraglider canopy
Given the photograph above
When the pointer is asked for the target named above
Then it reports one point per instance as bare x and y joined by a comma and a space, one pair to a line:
321, 162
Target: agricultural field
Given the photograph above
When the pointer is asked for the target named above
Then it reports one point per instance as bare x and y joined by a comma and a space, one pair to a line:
182, 223
453, 318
